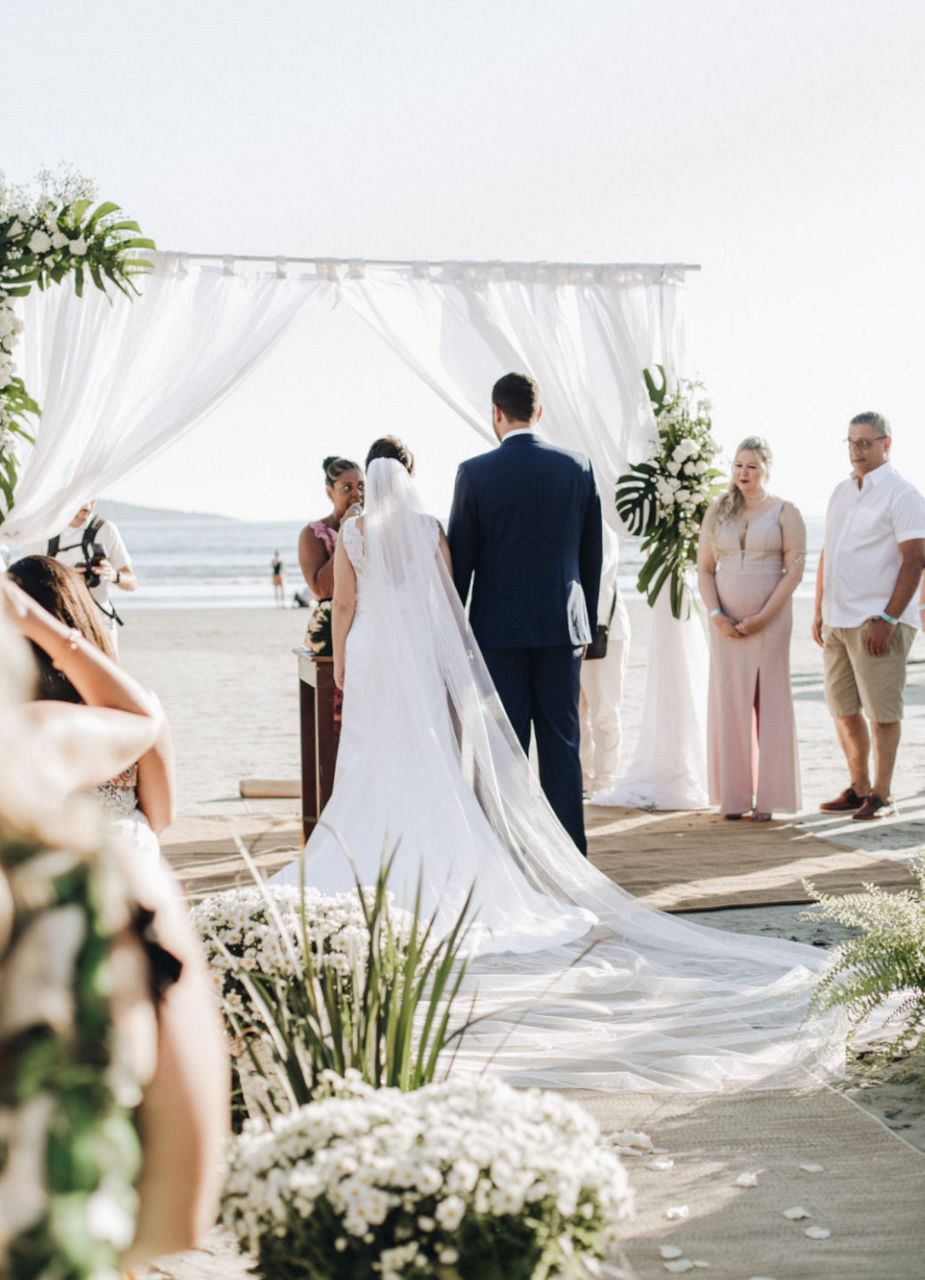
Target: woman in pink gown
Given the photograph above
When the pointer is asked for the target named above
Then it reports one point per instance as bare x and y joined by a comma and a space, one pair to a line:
749, 563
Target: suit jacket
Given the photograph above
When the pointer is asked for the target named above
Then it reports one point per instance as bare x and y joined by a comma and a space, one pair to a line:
526, 524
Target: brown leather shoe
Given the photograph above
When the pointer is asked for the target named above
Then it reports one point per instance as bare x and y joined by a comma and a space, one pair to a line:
870, 808
849, 799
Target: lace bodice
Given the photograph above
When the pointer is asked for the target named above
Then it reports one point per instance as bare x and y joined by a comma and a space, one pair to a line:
355, 544
119, 796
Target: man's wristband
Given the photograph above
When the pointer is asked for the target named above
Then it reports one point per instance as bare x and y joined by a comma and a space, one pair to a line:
714, 613
118, 577
886, 618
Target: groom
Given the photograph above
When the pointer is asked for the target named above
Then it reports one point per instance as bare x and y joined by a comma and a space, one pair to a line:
526, 524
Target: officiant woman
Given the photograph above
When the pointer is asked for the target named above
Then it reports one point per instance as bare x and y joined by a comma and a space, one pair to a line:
750, 561
345, 486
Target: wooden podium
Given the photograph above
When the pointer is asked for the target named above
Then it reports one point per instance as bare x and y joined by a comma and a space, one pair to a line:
319, 719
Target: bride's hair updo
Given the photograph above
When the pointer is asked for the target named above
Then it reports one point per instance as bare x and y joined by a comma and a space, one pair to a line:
335, 466
731, 503
391, 447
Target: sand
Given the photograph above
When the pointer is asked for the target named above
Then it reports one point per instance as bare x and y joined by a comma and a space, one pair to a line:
228, 682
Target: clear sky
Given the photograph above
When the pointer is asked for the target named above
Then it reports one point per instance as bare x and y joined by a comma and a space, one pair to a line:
778, 143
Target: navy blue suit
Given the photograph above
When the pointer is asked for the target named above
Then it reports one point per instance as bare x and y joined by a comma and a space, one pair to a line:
526, 526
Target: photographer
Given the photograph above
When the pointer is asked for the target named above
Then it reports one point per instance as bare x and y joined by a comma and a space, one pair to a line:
94, 547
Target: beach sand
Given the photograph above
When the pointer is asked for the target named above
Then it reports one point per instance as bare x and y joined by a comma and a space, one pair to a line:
228, 682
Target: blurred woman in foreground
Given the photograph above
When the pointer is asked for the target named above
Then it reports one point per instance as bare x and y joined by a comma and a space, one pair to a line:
113, 1071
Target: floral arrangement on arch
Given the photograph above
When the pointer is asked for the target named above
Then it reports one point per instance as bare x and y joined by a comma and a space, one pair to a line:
664, 499
318, 636
45, 238
465, 1177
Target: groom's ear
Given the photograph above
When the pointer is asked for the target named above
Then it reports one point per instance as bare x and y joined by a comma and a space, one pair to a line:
539, 413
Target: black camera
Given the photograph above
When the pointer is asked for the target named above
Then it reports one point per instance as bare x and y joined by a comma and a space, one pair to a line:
91, 566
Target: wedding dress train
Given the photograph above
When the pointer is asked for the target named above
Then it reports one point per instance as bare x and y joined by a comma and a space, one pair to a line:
577, 983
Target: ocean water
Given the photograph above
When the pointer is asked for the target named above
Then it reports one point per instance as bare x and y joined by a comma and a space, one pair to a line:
213, 562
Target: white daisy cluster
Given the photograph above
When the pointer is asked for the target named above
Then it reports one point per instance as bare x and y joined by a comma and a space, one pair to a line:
241, 929
379, 1183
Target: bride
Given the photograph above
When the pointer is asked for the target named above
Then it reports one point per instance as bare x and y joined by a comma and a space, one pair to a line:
576, 982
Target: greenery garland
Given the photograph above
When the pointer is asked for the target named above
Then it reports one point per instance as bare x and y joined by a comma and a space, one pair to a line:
43, 240
664, 499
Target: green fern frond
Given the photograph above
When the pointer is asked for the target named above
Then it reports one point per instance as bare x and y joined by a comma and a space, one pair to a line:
884, 962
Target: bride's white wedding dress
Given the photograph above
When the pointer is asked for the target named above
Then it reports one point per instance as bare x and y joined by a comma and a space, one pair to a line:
429, 767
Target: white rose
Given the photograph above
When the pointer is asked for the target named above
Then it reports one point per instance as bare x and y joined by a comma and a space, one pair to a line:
79, 247
58, 239
15, 230
39, 242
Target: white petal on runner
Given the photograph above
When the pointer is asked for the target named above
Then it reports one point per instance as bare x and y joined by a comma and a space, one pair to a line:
817, 1233
670, 1251
660, 1163
746, 1180
797, 1212
677, 1211
813, 1168
701, 1265
681, 1265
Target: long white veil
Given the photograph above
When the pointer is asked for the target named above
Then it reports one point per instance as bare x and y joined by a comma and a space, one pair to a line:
429, 753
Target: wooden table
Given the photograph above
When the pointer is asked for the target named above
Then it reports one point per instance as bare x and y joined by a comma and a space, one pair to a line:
319, 719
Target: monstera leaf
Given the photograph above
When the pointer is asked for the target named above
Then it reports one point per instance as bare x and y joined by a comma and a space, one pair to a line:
636, 500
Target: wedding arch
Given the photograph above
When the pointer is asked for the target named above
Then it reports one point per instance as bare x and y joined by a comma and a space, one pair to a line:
120, 382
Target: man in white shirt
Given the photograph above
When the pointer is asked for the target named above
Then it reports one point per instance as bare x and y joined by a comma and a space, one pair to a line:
865, 618
110, 563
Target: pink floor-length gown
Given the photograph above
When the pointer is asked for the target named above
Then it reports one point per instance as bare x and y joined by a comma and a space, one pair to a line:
752, 753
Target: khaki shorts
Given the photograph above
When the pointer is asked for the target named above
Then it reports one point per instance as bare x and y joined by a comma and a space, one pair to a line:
855, 678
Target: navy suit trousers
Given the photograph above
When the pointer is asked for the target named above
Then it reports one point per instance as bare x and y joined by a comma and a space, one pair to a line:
539, 687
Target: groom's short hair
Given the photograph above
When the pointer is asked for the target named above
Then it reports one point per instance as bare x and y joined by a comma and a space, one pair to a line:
517, 396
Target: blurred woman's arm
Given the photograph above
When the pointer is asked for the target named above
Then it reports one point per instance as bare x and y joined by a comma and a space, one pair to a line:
157, 791
183, 1118
121, 721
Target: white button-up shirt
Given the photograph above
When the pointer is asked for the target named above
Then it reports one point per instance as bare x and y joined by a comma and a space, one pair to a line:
863, 529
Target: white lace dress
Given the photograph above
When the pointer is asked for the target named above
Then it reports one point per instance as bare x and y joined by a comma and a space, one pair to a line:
118, 799
577, 983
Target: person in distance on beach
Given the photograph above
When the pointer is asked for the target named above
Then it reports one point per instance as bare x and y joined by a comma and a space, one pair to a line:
865, 618
749, 563
345, 487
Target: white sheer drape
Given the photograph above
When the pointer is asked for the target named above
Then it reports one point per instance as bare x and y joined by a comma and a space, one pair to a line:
119, 380
585, 334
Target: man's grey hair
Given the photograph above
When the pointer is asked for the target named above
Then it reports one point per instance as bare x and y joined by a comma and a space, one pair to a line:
871, 419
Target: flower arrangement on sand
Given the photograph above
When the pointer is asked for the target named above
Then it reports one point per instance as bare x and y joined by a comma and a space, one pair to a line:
664, 499
463, 1177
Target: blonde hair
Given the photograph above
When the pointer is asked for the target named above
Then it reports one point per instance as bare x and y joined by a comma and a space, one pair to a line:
731, 503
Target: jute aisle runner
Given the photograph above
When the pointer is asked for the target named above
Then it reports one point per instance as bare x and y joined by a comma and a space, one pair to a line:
674, 861
869, 1193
